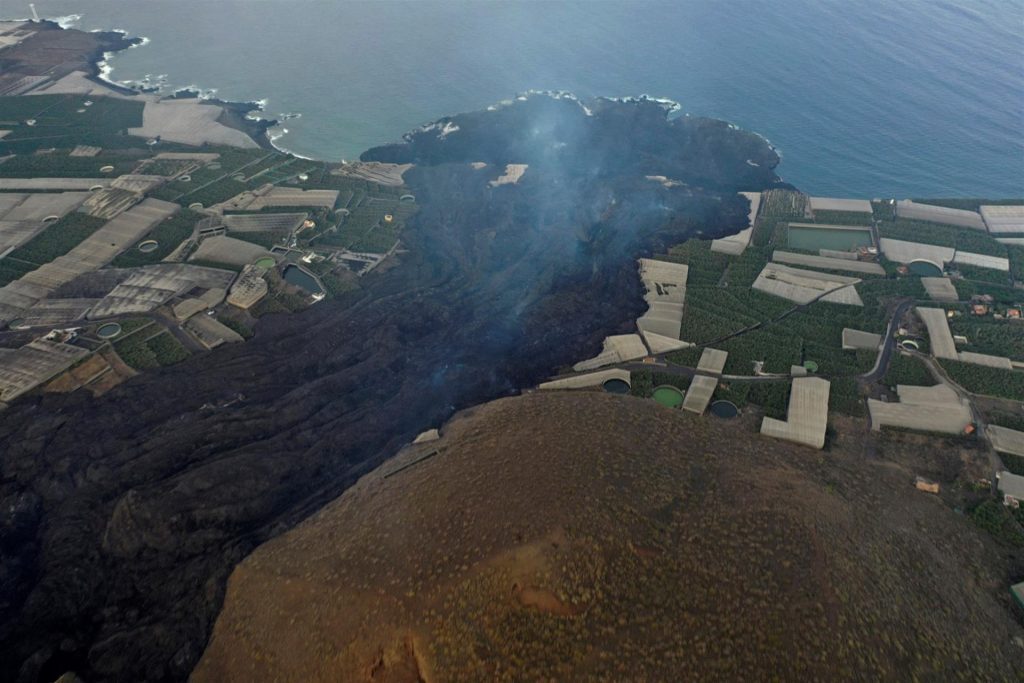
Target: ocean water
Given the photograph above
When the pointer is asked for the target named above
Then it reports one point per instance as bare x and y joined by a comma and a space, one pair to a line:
866, 98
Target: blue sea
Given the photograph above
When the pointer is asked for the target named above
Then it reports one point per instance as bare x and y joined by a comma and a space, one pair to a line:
866, 98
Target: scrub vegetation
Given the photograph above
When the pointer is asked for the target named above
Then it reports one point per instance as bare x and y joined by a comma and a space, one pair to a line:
582, 561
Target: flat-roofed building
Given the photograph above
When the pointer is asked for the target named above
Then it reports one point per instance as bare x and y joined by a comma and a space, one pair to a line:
1006, 440
210, 332
264, 222
616, 349
268, 196
982, 260
903, 251
50, 184
712, 360
228, 250
91, 254
249, 288
828, 263
985, 359
912, 210
940, 289
938, 332
1017, 591
665, 285
591, 379
857, 339
928, 409
1012, 487
698, 396
804, 286
23, 369
736, 244
1003, 219
836, 204
807, 416
148, 287
57, 311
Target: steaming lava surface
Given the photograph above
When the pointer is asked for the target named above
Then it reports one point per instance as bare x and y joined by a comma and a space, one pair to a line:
123, 516
590, 537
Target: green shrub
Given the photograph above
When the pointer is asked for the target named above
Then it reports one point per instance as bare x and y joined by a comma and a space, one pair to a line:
993, 517
907, 370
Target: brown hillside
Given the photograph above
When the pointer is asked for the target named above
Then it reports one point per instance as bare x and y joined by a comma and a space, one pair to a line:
583, 536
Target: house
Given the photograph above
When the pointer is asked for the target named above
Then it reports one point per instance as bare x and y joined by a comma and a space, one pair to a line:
979, 309
926, 485
1017, 591
1012, 487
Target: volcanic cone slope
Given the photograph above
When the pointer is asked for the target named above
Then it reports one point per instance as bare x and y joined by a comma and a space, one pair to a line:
582, 536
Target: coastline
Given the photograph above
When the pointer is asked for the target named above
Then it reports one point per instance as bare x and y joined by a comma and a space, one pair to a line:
239, 115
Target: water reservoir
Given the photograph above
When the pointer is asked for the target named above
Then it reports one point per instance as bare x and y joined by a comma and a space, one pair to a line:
616, 386
108, 331
724, 409
297, 276
924, 269
668, 396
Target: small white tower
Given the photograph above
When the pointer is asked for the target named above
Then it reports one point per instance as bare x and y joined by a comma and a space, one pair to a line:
35, 15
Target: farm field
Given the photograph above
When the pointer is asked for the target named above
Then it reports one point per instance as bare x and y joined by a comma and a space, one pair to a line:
55, 240
169, 234
146, 350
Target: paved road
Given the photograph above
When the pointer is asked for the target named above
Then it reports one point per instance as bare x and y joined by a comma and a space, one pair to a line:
888, 344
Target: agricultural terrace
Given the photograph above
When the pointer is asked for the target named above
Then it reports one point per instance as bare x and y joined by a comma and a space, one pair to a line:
970, 204
147, 346
363, 208
236, 170
924, 232
767, 332
57, 239
989, 335
909, 370
721, 307
989, 381
168, 234
64, 121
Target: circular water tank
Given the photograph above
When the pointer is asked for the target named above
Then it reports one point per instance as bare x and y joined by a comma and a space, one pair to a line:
106, 169
195, 206
616, 386
108, 331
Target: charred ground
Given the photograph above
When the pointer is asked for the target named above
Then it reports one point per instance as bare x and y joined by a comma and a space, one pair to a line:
122, 516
